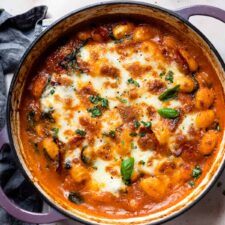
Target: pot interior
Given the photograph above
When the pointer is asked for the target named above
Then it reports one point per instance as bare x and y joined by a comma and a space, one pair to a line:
56, 33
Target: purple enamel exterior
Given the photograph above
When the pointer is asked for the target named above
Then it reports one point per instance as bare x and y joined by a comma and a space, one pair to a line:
203, 10
53, 216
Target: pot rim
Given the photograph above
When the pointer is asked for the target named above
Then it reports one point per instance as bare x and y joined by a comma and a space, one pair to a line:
29, 49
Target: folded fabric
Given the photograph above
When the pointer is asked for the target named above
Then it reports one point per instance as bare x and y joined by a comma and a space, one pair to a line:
16, 34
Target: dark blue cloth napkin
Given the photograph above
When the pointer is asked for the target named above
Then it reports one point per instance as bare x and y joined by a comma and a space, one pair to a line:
16, 34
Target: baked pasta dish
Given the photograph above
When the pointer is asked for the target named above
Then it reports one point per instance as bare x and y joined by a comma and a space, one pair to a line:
121, 118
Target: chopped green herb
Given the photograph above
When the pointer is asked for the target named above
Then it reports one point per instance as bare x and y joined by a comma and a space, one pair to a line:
169, 76
122, 100
126, 169
123, 142
95, 167
191, 183
133, 134
132, 145
168, 113
55, 132
197, 171
170, 93
146, 124
104, 102
75, 197
95, 112
136, 124
80, 132
52, 91
142, 162
111, 134
94, 99
162, 74
141, 134
134, 82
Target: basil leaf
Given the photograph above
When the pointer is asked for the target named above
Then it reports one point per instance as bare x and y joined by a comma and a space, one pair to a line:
134, 82
169, 93
197, 171
168, 113
75, 197
127, 167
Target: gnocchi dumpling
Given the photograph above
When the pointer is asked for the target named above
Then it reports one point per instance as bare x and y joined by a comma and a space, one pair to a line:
208, 142
186, 83
79, 173
204, 98
121, 30
205, 118
155, 187
143, 33
192, 64
51, 148
161, 132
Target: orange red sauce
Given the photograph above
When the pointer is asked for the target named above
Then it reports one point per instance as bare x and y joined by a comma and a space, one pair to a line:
172, 180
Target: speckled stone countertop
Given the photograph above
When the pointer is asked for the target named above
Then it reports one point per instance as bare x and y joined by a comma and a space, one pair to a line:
211, 209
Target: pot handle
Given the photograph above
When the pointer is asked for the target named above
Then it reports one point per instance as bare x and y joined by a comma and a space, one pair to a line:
17, 212
204, 10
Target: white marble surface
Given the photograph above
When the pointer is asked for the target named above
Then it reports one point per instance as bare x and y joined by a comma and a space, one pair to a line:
211, 209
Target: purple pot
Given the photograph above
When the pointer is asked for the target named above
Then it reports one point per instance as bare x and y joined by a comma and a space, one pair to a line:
49, 36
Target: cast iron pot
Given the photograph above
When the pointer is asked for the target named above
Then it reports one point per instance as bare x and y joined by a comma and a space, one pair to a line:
178, 19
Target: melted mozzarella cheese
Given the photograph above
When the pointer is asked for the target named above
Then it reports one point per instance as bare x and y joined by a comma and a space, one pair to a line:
67, 116
107, 182
187, 123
